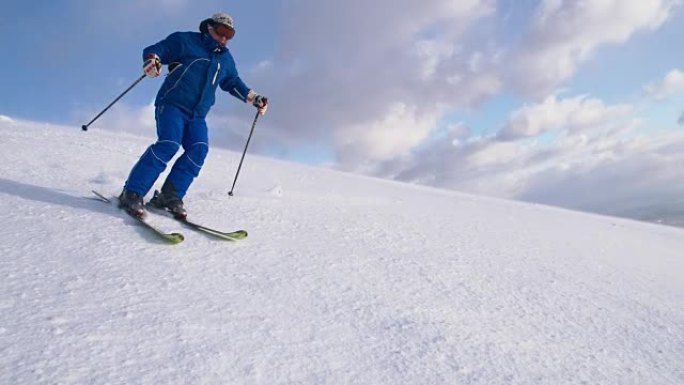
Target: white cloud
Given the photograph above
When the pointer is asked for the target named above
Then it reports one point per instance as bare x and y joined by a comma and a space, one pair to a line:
435, 55
371, 58
671, 84
260, 67
612, 171
566, 33
393, 135
6, 119
431, 54
123, 117
641, 172
599, 162
574, 114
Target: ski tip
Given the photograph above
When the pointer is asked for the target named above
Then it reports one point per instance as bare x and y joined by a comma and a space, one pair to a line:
174, 238
236, 235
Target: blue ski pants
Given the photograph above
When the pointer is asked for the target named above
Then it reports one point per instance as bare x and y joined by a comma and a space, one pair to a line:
175, 128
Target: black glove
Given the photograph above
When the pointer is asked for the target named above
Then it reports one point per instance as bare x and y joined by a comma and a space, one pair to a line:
261, 103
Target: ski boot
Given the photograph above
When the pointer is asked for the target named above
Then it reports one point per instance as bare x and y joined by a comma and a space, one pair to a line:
170, 203
132, 202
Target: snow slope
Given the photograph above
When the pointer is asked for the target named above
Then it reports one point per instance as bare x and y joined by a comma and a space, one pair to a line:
342, 280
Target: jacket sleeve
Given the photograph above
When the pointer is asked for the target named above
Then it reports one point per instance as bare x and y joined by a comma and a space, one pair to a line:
168, 49
231, 82
236, 87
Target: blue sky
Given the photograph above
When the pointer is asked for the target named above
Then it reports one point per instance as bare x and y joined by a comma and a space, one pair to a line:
532, 100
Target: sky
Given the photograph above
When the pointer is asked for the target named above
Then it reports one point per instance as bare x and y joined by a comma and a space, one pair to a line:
572, 103
343, 279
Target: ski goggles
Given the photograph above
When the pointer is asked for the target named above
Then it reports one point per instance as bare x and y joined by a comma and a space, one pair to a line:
223, 31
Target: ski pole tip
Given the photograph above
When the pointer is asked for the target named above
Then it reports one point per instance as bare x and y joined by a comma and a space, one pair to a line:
84, 127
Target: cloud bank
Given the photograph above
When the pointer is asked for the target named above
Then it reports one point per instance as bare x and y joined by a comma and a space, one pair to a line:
375, 82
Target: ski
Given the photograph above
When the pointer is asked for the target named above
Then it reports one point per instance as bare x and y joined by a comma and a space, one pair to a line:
173, 238
226, 235
230, 235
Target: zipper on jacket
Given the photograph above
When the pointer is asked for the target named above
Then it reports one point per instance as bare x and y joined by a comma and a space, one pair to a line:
181, 77
218, 68
204, 90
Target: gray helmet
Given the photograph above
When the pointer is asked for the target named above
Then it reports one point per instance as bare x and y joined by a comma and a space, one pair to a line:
219, 18
223, 19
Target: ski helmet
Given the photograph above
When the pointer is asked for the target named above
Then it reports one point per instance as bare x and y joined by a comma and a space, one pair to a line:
223, 19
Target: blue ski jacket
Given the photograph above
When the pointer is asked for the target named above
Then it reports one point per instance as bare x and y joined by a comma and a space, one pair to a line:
198, 65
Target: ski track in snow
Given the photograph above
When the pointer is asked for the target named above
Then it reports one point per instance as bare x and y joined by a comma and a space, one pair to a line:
342, 280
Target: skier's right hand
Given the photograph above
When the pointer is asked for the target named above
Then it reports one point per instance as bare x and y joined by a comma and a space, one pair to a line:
152, 65
258, 101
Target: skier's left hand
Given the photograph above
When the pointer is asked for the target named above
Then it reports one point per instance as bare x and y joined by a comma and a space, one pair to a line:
258, 101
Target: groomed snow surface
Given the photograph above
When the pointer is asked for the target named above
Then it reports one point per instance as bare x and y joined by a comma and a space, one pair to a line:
343, 279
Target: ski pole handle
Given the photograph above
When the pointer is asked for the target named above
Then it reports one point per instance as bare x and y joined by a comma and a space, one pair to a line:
85, 126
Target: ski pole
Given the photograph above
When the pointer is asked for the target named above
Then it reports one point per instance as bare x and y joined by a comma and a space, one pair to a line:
243, 153
85, 126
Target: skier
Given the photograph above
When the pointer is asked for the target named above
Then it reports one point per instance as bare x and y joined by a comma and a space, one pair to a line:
198, 63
